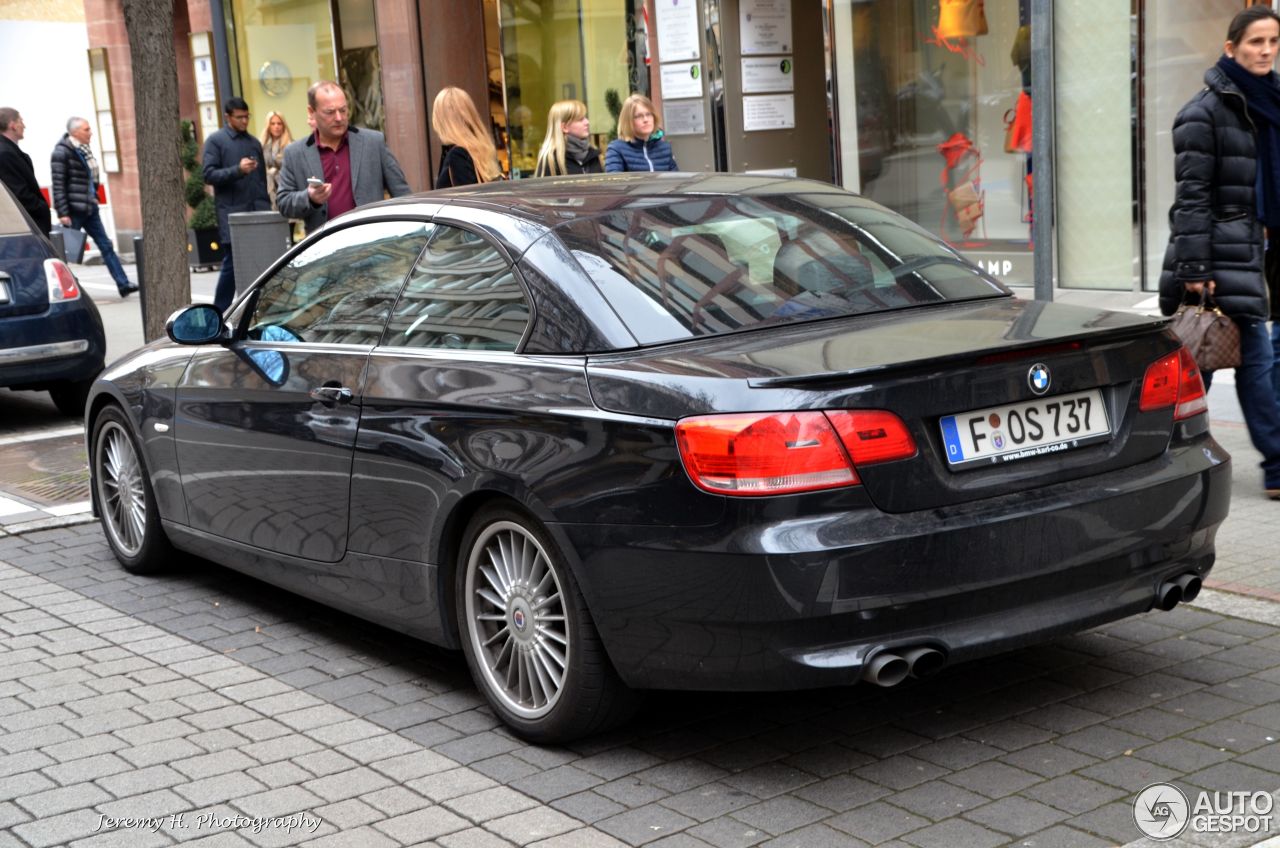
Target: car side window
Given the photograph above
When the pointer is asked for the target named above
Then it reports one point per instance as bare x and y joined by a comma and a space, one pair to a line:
339, 290
462, 294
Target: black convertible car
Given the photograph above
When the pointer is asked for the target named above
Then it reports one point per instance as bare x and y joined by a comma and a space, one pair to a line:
700, 432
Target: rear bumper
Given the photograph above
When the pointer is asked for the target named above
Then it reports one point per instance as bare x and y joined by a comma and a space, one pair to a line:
66, 342
769, 601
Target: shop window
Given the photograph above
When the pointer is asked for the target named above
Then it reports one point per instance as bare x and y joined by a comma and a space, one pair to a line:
281, 49
930, 121
564, 50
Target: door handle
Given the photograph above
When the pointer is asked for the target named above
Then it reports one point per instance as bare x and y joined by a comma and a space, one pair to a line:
332, 394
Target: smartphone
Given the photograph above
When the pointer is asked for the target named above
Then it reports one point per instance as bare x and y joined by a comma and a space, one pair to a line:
314, 181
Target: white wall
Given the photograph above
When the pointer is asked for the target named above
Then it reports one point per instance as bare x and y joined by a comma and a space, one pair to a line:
44, 74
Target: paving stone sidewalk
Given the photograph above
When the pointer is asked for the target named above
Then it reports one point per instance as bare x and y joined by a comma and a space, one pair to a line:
204, 693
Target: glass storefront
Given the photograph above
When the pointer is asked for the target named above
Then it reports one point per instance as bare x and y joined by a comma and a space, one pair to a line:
280, 49
939, 128
564, 50
1177, 50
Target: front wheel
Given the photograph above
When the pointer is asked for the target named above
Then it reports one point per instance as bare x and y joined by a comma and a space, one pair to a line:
528, 637
126, 503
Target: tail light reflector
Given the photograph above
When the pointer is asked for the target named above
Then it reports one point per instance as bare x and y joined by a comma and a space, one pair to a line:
1174, 380
62, 283
873, 435
777, 453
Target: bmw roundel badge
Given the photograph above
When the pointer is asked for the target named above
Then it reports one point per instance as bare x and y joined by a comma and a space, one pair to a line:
1038, 378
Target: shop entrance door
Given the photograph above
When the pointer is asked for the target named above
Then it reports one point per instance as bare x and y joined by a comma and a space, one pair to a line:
762, 103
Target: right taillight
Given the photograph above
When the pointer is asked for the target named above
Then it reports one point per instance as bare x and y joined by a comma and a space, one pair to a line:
1174, 380
62, 283
779, 453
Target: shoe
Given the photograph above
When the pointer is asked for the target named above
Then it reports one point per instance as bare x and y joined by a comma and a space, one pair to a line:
127, 290
1273, 494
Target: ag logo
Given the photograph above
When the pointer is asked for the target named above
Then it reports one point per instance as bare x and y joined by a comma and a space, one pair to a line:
1161, 811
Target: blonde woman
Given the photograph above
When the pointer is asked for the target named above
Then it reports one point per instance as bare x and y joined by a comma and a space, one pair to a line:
469, 154
640, 145
567, 148
275, 138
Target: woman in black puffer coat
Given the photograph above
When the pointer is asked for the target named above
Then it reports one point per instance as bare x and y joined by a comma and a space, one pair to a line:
1227, 145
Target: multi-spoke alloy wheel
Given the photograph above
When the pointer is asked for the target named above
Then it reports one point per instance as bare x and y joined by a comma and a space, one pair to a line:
125, 500
529, 639
120, 492
516, 618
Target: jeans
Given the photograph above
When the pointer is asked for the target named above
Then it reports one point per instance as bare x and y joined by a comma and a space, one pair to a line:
92, 225
226, 289
1257, 395
1275, 349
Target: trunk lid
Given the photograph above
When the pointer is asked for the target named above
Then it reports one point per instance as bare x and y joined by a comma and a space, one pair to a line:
924, 364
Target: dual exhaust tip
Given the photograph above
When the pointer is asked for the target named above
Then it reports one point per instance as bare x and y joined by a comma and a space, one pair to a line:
889, 668
1184, 587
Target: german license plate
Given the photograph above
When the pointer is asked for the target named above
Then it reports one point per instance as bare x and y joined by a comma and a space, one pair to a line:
1023, 430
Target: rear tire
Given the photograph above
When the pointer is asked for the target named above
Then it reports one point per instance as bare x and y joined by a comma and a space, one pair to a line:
529, 640
70, 397
126, 503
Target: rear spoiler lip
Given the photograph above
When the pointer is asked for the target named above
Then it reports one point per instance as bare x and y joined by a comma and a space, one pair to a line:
931, 364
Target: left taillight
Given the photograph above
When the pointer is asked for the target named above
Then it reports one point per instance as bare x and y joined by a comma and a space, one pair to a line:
62, 283
1174, 380
779, 453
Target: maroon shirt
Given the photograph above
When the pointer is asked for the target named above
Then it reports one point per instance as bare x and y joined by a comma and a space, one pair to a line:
337, 172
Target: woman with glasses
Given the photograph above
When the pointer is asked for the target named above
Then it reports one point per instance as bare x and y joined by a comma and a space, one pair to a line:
640, 145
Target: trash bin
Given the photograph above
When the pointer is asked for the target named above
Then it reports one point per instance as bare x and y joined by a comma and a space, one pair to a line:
257, 240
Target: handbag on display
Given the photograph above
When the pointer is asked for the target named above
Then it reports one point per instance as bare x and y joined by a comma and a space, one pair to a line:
1017, 126
967, 199
967, 202
1210, 336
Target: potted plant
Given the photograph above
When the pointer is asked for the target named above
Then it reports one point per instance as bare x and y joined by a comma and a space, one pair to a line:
203, 247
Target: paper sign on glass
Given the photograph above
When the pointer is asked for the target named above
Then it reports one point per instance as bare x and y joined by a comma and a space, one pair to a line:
766, 26
760, 75
684, 117
769, 112
681, 79
678, 30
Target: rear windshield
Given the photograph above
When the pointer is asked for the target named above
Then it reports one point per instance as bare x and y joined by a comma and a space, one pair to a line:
720, 264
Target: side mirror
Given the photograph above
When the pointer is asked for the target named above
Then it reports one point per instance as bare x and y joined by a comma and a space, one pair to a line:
198, 324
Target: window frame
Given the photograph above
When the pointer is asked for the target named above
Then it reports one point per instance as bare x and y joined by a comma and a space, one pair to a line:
441, 220
248, 304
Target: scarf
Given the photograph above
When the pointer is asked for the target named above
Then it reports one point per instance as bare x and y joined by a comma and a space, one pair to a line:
576, 148
87, 152
1262, 95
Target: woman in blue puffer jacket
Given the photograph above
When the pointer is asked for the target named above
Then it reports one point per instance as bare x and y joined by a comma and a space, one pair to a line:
639, 145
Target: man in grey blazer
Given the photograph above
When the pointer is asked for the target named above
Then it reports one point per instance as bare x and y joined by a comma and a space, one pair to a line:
336, 168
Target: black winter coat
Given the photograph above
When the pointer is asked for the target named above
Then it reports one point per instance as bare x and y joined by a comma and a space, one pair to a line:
1215, 233
17, 172
74, 192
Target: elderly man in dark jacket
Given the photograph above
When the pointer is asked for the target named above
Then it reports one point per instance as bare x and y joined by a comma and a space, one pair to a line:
16, 170
233, 166
75, 195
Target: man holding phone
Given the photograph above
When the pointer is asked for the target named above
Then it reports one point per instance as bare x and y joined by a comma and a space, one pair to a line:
336, 168
233, 166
